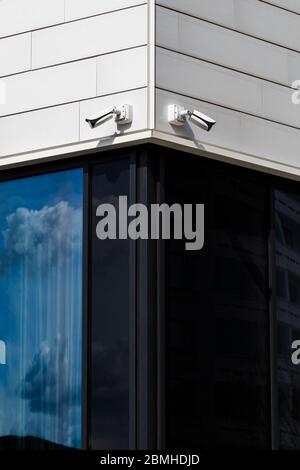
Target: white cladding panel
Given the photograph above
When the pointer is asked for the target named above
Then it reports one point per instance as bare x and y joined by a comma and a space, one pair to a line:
61, 60
223, 46
50, 86
65, 124
17, 16
234, 131
15, 54
39, 129
252, 17
219, 85
75, 81
89, 37
292, 5
234, 60
76, 9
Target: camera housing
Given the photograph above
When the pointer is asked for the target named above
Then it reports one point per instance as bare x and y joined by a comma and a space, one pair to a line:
122, 115
178, 116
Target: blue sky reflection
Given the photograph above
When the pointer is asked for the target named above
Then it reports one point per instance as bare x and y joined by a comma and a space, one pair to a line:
40, 307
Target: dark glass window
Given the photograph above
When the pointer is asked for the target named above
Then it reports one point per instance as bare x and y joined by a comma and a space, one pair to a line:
109, 419
217, 361
218, 311
41, 311
287, 220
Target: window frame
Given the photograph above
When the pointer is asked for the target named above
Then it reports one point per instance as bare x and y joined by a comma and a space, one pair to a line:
147, 280
271, 182
86, 163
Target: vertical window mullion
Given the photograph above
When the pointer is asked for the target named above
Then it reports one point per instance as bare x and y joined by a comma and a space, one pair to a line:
146, 315
273, 327
161, 320
85, 305
132, 315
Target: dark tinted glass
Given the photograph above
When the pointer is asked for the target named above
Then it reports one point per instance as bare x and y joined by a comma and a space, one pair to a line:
287, 224
109, 412
217, 370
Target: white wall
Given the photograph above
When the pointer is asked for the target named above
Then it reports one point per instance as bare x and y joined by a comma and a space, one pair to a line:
60, 60
235, 60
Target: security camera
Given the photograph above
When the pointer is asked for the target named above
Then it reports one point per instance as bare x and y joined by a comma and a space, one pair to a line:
178, 116
122, 115
201, 120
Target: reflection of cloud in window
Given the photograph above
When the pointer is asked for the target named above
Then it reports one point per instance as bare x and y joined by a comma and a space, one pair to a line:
40, 303
43, 236
49, 385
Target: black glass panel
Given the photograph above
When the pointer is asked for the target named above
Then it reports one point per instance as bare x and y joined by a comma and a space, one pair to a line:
287, 224
217, 366
109, 412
